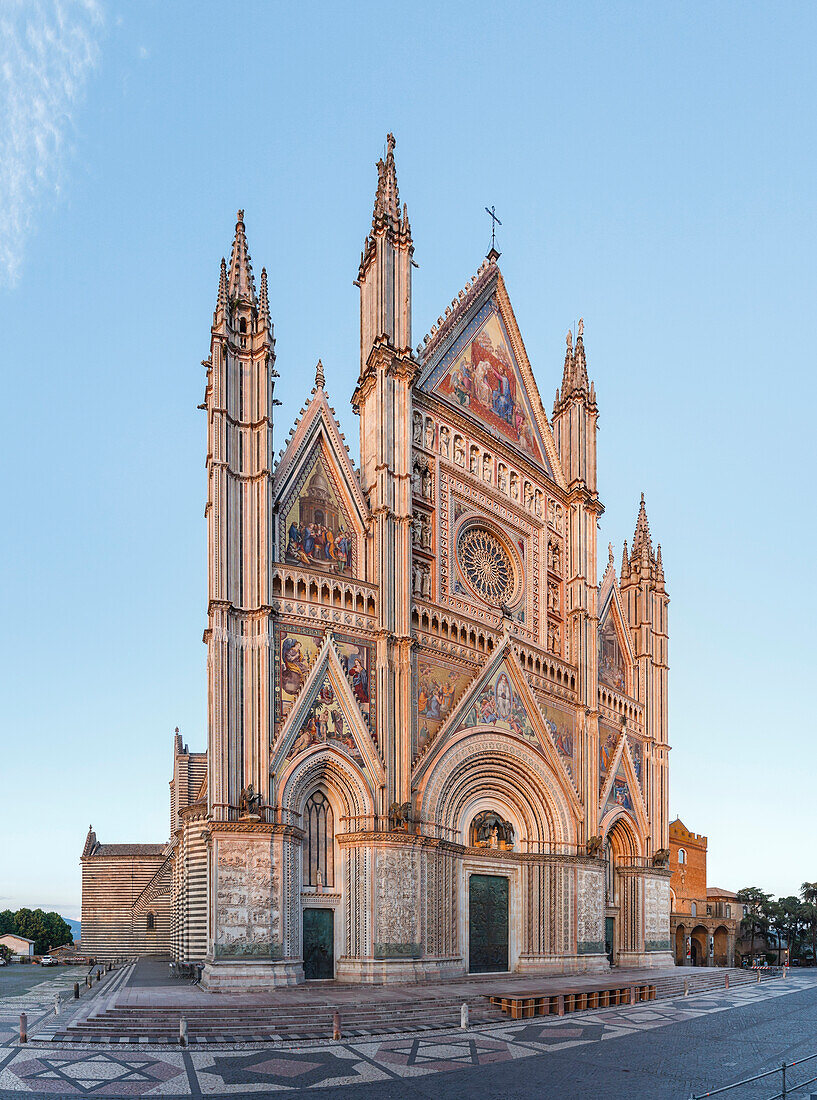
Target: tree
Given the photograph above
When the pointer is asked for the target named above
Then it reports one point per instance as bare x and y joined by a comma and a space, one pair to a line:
5, 952
756, 918
808, 892
46, 929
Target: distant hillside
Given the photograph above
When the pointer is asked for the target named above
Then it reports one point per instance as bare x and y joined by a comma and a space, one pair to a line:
75, 927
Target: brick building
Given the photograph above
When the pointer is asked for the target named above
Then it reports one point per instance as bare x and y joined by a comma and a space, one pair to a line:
704, 921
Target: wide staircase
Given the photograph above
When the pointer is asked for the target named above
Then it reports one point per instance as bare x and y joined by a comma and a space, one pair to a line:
312, 1016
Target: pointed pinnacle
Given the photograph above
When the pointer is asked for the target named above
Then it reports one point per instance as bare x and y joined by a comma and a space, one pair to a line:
642, 540
625, 561
387, 197
222, 283
263, 296
241, 284
610, 561
320, 378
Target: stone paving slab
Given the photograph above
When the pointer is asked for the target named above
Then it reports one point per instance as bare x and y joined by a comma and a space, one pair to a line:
355, 1063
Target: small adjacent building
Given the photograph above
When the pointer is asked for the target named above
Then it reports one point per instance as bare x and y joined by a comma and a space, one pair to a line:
21, 947
704, 920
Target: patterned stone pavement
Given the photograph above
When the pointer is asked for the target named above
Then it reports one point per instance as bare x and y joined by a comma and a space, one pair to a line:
280, 1067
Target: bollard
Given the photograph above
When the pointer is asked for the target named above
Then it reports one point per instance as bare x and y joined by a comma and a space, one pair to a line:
76, 991
182, 1031
56, 1004
88, 981
758, 975
23, 1028
464, 1016
726, 982
686, 987
98, 975
336, 1025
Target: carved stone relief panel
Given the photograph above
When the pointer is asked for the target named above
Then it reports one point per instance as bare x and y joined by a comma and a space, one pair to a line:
247, 914
396, 904
590, 909
656, 914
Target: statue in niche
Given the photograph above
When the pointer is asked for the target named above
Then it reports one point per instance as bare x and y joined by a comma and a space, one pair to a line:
416, 529
487, 468
537, 507
515, 486
554, 638
416, 482
459, 450
474, 461
528, 495
502, 478
552, 512
425, 482
489, 830
554, 556
445, 442
553, 596
417, 579
418, 428
427, 582
429, 433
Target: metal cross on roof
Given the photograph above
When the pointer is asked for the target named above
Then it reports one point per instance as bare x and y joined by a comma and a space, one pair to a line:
494, 223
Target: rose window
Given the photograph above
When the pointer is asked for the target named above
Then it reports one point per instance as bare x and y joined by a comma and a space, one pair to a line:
486, 564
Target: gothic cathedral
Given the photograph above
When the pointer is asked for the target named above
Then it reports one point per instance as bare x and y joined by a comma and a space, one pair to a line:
437, 742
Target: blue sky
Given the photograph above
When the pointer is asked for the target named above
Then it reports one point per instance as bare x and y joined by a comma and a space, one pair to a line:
653, 166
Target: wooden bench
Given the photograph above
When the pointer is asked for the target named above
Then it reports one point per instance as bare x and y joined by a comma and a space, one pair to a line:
520, 1006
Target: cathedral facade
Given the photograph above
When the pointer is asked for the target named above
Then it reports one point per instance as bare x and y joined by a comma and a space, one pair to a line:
437, 736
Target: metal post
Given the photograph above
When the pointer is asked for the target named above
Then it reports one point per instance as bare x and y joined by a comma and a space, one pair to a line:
182, 1031
76, 991
464, 1016
686, 987
726, 981
783, 1071
23, 1028
336, 1025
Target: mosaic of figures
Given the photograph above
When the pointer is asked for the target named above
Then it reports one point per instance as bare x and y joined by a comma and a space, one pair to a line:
480, 374
439, 688
561, 727
611, 660
296, 649
637, 754
316, 529
499, 704
325, 724
619, 793
608, 742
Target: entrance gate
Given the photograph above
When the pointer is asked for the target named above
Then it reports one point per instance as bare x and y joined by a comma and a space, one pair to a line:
319, 943
487, 923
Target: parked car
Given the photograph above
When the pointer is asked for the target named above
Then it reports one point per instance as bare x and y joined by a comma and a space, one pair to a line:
47, 960
2, 961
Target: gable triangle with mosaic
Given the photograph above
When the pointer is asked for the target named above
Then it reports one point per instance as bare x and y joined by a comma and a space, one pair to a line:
436, 739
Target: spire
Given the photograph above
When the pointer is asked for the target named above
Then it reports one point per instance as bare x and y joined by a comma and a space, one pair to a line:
659, 566
320, 378
642, 540
241, 284
222, 286
263, 301
387, 197
580, 383
625, 563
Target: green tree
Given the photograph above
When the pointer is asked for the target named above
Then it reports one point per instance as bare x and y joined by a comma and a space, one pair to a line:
756, 919
6, 921
808, 892
5, 952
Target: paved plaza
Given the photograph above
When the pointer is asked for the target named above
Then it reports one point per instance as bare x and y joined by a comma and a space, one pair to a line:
668, 1049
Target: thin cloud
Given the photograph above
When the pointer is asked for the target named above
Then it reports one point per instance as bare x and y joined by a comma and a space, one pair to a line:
47, 50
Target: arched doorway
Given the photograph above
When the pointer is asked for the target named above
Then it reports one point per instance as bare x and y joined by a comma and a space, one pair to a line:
699, 946
721, 957
680, 946
318, 865
620, 850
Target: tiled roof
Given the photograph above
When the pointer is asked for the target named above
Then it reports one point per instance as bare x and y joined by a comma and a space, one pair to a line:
716, 892
128, 850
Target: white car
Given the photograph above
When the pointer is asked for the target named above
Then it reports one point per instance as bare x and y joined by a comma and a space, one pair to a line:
47, 960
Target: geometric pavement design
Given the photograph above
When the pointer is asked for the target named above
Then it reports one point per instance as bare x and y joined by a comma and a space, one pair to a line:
441, 1055
86, 1074
275, 1067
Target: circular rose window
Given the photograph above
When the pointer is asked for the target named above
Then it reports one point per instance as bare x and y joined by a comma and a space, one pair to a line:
486, 565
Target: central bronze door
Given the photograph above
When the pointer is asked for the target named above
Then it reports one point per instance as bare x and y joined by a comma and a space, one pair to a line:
319, 943
487, 923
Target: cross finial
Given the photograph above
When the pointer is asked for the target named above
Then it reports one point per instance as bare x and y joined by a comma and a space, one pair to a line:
494, 223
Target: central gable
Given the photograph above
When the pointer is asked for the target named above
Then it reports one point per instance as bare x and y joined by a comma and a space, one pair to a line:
480, 375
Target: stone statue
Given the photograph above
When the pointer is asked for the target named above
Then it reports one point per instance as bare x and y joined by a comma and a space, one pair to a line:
502, 478
459, 450
418, 428
445, 441
429, 433
249, 803
427, 583
399, 815
661, 858
594, 846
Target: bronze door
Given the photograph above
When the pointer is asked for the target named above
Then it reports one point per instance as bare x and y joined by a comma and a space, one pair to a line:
487, 924
319, 943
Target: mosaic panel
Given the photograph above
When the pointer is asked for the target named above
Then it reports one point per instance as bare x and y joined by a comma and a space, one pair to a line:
439, 689
317, 531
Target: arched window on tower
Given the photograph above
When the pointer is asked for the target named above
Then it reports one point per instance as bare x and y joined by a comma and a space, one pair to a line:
682, 856
151, 922
319, 842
